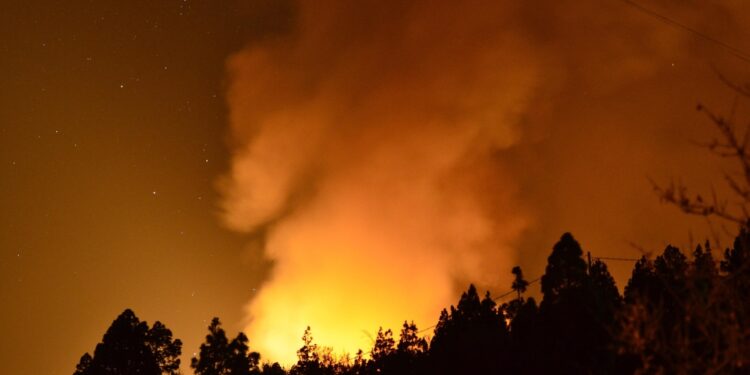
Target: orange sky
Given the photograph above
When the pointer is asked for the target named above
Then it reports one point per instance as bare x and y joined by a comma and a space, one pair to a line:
395, 152
162, 156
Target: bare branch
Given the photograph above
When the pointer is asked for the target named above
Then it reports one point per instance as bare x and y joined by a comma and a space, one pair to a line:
742, 89
731, 143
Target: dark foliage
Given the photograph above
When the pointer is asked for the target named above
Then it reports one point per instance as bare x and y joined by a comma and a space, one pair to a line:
680, 314
130, 347
219, 356
576, 316
469, 338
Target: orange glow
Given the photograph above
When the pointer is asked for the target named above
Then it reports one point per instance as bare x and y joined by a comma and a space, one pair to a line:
386, 154
370, 183
462, 138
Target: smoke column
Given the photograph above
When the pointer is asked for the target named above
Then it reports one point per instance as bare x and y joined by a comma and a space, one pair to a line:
385, 154
364, 154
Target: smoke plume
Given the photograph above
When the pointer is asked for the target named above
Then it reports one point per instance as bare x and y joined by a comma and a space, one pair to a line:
387, 153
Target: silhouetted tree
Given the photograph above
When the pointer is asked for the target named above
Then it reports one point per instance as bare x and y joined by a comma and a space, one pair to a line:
655, 290
83, 365
409, 340
677, 316
525, 338
471, 338
642, 281
406, 357
410, 351
219, 356
692, 307
671, 267
165, 349
603, 304
384, 345
577, 312
695, 323
736, 260
314, 360
130, 347
361, 365
566, 270
273, 369
523, 317
703, 270
519, 284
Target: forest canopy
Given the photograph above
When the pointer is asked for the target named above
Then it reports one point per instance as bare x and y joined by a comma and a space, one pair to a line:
679, 314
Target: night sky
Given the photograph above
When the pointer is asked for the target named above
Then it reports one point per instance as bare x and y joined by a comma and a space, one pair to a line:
162, 155
113, 130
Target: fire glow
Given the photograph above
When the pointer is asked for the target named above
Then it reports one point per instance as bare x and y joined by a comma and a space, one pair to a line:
369, 171
376, 153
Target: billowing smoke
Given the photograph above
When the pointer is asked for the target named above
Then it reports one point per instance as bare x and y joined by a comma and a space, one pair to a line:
386, 153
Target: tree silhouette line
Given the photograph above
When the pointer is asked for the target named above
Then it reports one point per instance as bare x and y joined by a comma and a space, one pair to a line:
679, 314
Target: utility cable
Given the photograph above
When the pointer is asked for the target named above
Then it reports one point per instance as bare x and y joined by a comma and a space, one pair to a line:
740, 54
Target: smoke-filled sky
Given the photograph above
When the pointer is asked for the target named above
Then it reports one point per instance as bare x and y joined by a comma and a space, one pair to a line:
336, 164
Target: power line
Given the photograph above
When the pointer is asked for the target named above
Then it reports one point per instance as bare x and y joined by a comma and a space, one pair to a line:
733, 50
615, 258
494, 299
423, 330
514, 291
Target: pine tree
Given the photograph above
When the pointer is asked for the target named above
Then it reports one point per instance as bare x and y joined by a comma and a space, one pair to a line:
83, 365
577, 312
471, 338
219, 356
519, 284
566, 270
409, 341
273, 369
311, 358
166, 350
384, 345
130, 347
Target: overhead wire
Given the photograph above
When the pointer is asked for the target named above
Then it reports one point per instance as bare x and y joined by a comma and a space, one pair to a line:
740, 54
509, 292
494, 299
618, 259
